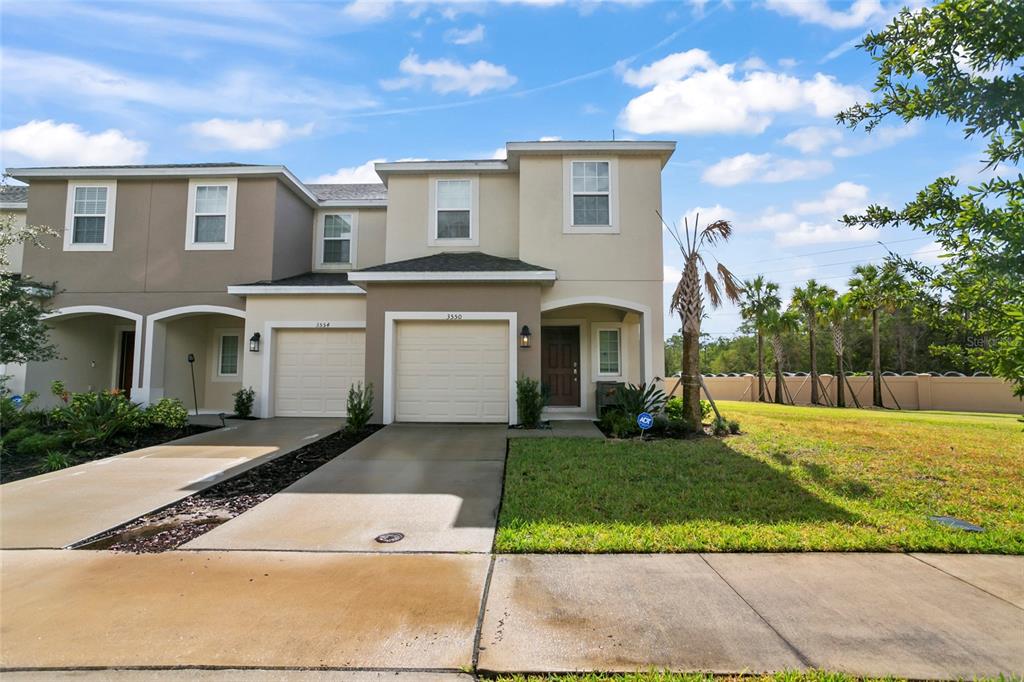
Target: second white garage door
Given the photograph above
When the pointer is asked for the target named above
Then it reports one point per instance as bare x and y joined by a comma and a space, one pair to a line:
451, 371
315, 368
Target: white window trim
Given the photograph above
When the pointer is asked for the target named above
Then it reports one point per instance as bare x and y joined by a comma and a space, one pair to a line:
474, 213
318, 248
108, 222
613, 197
595, 330
218, 336
229, 220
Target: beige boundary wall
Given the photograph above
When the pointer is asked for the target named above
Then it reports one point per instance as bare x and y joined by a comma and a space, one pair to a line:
921, 392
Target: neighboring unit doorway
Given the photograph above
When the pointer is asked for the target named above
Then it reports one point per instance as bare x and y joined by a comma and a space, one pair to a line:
560, 365
126, 362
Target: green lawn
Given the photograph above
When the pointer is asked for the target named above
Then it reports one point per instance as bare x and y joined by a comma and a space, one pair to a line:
796, 479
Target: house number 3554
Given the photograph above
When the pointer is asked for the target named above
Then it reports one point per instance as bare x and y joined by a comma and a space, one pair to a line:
320, 325
454, 316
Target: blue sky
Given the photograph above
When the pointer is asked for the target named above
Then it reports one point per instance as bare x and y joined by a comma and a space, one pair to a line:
747, 89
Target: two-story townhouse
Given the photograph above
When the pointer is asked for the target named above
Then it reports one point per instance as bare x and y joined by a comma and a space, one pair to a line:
440, 286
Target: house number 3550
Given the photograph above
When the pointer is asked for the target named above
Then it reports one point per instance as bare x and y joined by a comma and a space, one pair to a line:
454, 316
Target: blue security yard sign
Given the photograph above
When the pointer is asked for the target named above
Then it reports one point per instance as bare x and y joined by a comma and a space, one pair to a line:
644, 420
17, 400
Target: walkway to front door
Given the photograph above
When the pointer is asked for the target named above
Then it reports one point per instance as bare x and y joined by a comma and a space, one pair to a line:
560, 365
439, 485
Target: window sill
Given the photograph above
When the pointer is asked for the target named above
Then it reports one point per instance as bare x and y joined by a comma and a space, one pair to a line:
448, 241
209, 246
590, 229
88, 247
321, 267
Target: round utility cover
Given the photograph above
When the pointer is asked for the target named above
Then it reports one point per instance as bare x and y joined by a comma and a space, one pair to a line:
388, 538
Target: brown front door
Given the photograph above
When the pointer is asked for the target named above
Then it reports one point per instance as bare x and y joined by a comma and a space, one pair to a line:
560, 364
126, 363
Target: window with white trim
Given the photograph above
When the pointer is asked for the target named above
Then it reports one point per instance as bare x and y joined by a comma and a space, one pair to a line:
337, 239
454, 202
211, 214
609, 352
90, 216
591, 193
228, 348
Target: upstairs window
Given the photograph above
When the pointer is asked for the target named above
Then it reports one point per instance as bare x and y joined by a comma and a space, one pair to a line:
90, 217
337, 242
591, 195
454, 209
211, 214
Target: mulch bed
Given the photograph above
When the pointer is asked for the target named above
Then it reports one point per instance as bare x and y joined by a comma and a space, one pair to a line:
14, 467
173, 526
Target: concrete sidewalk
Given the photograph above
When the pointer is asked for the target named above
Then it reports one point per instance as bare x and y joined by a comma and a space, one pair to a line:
67, 506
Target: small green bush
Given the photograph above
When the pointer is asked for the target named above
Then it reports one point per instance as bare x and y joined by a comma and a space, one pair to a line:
359, 407
618, 424
16, 435
720, 427
244, 399
530, 401
674, 408
59, 390
54, 461
632, 399
12, 415
168, 412
98, 417
39, 443
734, 427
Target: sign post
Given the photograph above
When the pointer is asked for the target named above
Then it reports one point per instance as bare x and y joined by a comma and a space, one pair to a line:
645, 421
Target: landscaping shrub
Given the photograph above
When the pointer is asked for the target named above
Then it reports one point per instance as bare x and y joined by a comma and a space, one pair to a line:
169, 412
55, 460
734, 427
59, 390
40, 443
618, 424
720, 427
97, 417
530, 400
244, 398
674, 408
359, 407
633, 399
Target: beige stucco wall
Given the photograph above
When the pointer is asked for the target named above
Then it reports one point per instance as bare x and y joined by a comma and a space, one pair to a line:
408, 216
15, 252
522, 299
87, 345
199, 335
258, 369
293, 234
371, 239
922, 392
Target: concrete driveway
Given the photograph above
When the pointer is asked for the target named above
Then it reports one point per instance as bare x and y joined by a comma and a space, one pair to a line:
64, 507
439, 485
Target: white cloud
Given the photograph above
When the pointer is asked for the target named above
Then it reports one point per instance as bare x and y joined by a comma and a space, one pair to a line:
500, 153
353, 174
671, 274
549, 138
860, 12
846, 197
51, 143
693, 94
788, 62
368, 10
754, 64
930, 254
812, 138
446, 76
821, 233
591, 109
748, 167
468, 36
247, 135
879, 138
707, 214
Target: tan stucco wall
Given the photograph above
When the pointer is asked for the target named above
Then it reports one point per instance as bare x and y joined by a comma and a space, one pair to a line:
15, 252
293, 234
922, 392
371, 240
408, 217
87, 346
198, 335
522, 299
305, 309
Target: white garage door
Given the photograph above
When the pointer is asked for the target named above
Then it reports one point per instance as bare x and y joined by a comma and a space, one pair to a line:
314, 369
451, 371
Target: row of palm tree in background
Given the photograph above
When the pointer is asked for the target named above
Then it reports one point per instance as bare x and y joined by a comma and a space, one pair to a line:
814, 308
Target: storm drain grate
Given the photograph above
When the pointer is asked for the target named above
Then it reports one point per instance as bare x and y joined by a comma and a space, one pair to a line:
388, 538
957, 523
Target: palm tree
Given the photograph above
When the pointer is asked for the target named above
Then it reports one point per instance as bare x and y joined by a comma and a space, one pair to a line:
811, 299
688, 299
776, 324
875, 289
759, 297
836, 314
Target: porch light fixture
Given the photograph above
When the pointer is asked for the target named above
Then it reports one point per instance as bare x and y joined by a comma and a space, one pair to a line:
254, 343
524, 337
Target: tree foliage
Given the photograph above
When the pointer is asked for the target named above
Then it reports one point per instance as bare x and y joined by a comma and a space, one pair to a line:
961, 60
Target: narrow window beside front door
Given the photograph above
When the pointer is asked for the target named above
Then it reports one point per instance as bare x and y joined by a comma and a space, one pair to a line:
608, 348
454, 199
211, 214
590, 193
337, 239
90, 217
228, 355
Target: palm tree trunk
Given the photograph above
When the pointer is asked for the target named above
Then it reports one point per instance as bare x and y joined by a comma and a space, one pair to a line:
841, 376
876, 362
815, 399
761, 383
778, 383
691, 383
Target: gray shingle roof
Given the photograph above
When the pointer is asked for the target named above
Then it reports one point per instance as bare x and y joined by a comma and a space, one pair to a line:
226, 164
15, 194
306, 279
349, 192
468, 261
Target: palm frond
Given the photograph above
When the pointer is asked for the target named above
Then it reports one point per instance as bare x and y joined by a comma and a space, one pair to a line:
733, 287
711, 286
720, 230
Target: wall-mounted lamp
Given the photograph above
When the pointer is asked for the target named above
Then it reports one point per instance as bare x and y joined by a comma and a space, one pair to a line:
254, 343
524, 337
